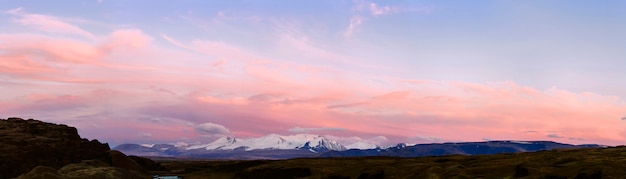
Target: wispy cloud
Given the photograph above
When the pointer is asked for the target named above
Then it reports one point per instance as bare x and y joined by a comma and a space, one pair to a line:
145, 135
377, 10
315, 129
40, 57
129, 39
174, 42
554, 136
211, 129
425, 139
574, 138
14, 11
363, 11
354, 22
47, 23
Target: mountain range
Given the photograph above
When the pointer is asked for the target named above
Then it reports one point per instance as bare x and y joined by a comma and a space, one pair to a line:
314, 143
275, 146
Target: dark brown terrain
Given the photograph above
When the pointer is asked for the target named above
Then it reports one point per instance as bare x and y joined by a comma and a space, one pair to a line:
554, 164
36, 149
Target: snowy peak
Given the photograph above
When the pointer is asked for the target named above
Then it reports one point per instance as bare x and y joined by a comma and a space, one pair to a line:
315, 143
362, 146
217, 144
321, 144
272, 141
397, 146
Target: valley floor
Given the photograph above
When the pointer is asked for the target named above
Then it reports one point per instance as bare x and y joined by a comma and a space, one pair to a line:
565, 163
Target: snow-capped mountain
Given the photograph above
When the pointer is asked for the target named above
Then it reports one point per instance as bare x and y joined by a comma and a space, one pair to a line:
272, 146
215, 145
362, 145
314, 143
307, 145
398, 146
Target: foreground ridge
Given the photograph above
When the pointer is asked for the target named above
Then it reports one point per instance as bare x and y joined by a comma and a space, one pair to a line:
36, 149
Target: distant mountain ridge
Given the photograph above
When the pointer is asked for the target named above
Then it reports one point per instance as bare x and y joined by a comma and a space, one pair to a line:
275, 146
272, 146
462, 148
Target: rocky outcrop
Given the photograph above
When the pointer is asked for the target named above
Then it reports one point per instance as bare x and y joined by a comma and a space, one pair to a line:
26, 144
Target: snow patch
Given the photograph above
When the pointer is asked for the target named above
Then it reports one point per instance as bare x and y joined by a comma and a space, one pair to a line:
361, 145
147, 145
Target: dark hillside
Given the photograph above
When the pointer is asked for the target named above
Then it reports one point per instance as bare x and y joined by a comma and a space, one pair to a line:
25, 144
36, 149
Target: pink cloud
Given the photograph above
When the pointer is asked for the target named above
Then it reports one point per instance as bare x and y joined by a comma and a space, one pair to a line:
211, 129
121, 81
22, 65
129, 38
393, 96
50, 49
122, 130
48, 23
45, 102
39, 57
493, 111
472, 111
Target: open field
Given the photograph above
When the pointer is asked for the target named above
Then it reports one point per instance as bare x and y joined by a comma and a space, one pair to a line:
569, 163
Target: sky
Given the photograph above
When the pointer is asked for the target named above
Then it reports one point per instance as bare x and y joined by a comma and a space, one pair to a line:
382, 72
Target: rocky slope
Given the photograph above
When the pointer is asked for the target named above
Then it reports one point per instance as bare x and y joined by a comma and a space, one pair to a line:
45, 148
25, 144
